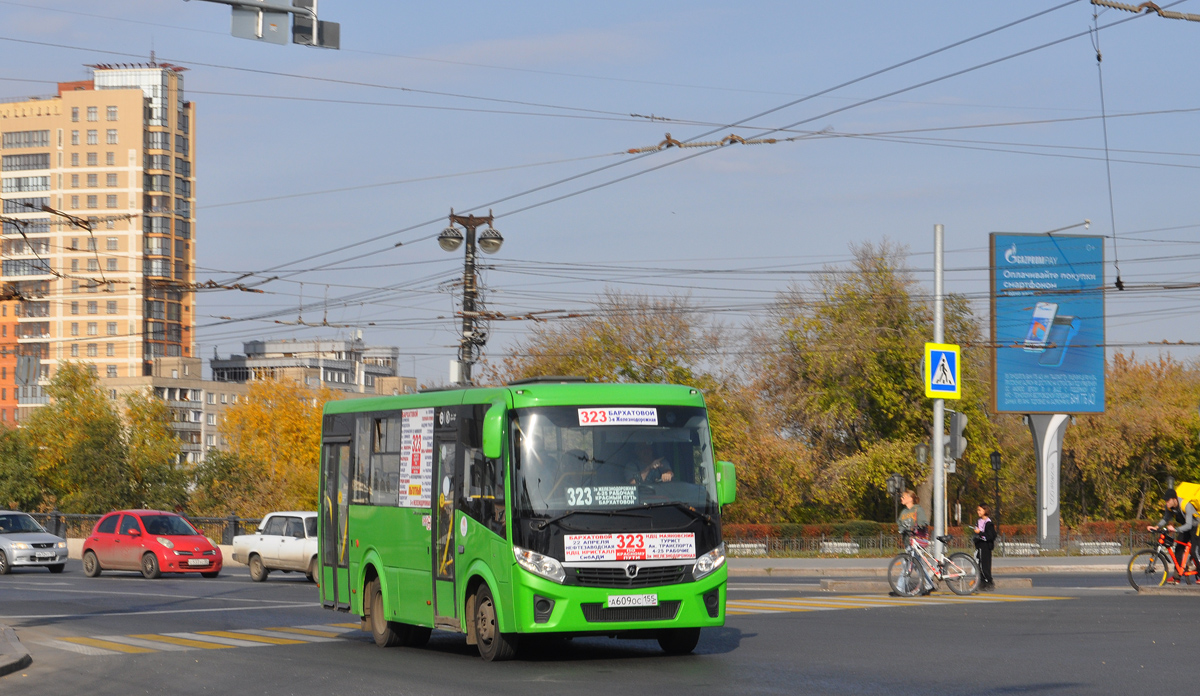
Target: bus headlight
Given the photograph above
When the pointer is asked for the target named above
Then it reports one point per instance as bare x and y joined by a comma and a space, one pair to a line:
709, 562
538, 564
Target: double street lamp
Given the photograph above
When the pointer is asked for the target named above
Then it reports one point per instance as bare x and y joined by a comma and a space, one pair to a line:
473, 338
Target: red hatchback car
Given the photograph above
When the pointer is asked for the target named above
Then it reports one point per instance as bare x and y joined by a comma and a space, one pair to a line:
151, 541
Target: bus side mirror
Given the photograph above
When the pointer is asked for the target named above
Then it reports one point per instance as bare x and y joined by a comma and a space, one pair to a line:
726, 483
493, 431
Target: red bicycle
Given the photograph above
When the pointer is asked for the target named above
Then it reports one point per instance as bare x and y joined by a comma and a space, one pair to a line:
1154, 567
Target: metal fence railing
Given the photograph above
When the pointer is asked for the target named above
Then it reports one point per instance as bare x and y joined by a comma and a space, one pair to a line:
1118, 544
219, 529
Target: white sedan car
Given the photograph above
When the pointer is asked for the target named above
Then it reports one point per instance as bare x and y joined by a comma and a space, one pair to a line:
25, 544
284, 541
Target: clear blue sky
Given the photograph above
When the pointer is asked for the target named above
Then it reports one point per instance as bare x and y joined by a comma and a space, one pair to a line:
790, 206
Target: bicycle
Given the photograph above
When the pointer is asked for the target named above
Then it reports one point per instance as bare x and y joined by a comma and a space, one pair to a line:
914, 567
1153, 567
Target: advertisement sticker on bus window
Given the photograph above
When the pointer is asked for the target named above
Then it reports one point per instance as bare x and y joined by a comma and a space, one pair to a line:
629, 547
624, 415
416, 457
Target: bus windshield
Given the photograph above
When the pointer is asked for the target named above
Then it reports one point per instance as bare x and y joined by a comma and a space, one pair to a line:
604, 459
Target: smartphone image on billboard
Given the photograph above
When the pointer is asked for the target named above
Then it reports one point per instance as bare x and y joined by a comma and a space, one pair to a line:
1061, 332
1039, 326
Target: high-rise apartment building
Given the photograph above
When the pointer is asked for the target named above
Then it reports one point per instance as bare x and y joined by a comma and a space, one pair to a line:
116, 151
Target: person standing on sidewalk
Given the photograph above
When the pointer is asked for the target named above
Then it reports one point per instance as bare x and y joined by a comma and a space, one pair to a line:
914, 520
985, 541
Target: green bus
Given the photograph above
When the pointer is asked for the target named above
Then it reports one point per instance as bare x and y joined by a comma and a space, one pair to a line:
547, 507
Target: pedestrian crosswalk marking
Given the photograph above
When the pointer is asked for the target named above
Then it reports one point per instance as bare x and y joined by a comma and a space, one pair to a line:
106, 645
186, 643
781, 605
303, 631
247, 635
201, 640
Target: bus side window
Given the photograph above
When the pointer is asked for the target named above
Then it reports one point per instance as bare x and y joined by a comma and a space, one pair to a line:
482, 496
360, 485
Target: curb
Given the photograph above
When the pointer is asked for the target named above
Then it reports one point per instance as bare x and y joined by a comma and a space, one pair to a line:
1182, 591
882, 571
13, 655
882, 586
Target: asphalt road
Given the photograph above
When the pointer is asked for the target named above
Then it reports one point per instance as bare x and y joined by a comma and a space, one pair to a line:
1069, 634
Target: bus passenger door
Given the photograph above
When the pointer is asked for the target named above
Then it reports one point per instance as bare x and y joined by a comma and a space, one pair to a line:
445, 478
335, 501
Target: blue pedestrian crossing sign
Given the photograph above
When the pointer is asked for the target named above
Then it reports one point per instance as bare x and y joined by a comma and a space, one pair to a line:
942, 371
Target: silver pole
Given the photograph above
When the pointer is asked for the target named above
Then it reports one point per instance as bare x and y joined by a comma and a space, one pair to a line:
939, 405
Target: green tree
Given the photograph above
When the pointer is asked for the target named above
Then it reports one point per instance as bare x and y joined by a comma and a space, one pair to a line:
844, 367
225, 484
78, 446
19, 485
157, 478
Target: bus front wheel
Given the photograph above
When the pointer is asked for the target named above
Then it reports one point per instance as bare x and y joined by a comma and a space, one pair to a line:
493, 645
386, 633
679, 641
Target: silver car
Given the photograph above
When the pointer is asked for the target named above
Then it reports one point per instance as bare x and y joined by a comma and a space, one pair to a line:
24, 543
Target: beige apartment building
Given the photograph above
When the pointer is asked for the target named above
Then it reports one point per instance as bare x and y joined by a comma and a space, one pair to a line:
117, 152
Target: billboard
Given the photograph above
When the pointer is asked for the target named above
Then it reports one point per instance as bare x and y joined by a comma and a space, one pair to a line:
1047, 336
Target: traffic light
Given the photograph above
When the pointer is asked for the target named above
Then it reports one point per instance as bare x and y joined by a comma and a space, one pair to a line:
958, 443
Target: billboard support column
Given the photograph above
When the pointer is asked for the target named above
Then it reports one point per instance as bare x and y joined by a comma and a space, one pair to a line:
1048, 430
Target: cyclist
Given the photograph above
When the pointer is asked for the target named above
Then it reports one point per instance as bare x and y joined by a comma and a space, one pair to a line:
1180, 522
914, 520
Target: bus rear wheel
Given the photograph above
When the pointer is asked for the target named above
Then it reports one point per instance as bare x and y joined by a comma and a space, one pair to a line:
679, 641
386, 633
494, 646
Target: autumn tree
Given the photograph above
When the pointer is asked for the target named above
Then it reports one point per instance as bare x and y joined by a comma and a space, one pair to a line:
78, 446
274, 443
157, 479
1116, 463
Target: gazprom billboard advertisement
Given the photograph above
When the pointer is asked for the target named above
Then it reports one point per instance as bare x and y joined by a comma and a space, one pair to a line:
1047, 323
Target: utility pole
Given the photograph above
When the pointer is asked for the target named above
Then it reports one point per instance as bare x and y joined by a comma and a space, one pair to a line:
472, 337
939, 405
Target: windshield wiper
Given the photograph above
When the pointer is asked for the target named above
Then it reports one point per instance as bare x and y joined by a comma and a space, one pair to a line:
551, 520
677, 505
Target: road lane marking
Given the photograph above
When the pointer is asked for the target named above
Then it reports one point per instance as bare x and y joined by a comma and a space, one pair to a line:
275, 633
145, 643
243, 635
72, 647
779, 605
174, 596
155, 611
180, 642
105, 644
352, 626
206, 638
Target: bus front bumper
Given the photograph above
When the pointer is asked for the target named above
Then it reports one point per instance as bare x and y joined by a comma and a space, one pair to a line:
544, 606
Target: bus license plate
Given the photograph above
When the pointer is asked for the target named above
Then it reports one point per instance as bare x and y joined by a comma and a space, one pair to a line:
197, 561
632, 600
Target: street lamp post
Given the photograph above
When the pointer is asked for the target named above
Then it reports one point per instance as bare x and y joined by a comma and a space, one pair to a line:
489, 241
895, 486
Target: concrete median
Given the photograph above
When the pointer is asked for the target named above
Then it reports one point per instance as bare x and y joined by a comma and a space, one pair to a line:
877, 567
881, 586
